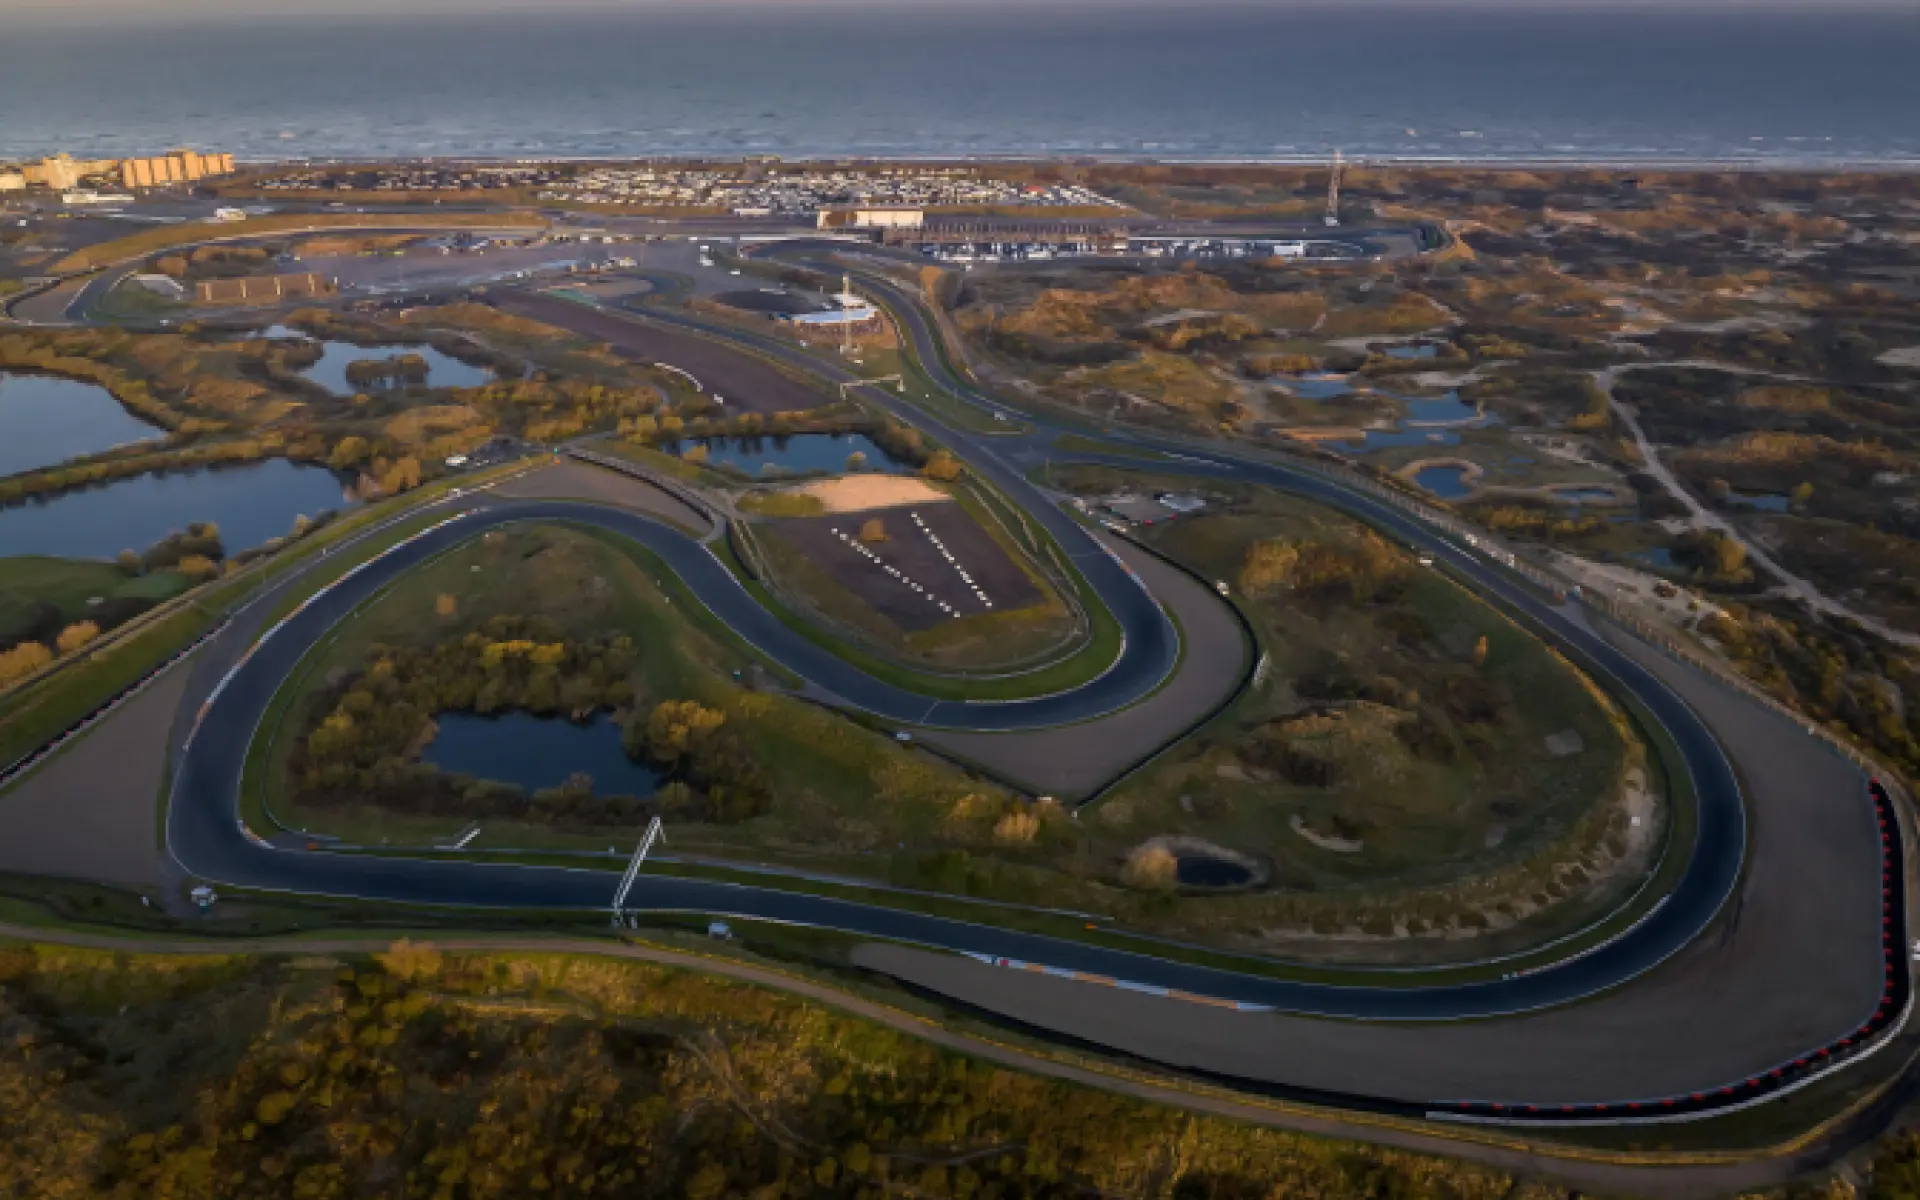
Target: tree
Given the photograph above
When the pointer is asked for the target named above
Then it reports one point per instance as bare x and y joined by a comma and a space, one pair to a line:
874, 531
76, 635
348, 451
943, 467
1480, 651
695, 454
128, 561
197, 567
1801, 493
676, 726
23, 660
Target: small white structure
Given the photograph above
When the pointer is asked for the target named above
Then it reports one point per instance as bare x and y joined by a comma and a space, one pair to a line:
162, 285
203, 897
87, 197
229, 214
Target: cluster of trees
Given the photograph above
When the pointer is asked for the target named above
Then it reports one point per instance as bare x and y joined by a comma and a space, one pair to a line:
1364, 569
183, 550
715, 775
1852, 683
365, 738
422, 1073
378, 472
545, 409
399, 370
1547, 523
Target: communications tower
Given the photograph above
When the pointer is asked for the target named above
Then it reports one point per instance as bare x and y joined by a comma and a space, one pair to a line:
1333, 190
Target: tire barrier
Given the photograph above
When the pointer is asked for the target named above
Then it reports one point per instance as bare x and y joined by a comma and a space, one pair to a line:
1872, 1034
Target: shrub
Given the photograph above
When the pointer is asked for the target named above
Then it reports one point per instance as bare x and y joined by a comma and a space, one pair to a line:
76, 635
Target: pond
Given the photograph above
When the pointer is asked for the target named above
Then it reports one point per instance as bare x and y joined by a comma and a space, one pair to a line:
1763, 501
1316, 387
443, 370
532, 752
1381, 439
1204, 870
1446, 482
1418, 350
1449, 408
800, 454
1576, 494
249, 503
45, 421
1659, 556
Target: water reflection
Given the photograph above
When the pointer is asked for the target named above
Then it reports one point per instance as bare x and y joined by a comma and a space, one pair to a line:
249, 503
46, 421
532, 752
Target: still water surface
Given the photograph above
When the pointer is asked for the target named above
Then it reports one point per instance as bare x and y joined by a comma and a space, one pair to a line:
45, 421
533, 752
249, 503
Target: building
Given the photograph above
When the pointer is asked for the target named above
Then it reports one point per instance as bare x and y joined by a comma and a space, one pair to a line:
175, 166
63, 172
871, 218
262, 289
12, 181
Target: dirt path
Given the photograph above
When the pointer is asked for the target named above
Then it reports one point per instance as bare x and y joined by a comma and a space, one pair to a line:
1703, 517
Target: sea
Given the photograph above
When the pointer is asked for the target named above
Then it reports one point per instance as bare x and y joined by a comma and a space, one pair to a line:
1172, 82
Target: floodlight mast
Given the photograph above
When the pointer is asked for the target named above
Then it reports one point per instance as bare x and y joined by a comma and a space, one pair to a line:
1333, 190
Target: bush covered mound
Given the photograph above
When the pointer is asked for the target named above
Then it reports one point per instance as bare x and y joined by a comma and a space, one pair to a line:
430, 1075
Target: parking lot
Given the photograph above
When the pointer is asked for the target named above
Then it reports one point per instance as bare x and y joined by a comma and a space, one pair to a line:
937, 564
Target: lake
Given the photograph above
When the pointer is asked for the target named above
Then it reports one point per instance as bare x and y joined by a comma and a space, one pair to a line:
532, 752
1449, 408
1761, 501
443, 370
46, 421
249, 503
1316, 387
800, 454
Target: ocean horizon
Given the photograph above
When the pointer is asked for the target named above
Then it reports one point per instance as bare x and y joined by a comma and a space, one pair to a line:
1633, 88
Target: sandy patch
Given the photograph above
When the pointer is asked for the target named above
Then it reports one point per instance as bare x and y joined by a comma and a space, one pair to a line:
1905, 356
1326, 841
857, 493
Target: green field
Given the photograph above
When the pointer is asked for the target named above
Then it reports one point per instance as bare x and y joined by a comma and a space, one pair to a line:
1396, 774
